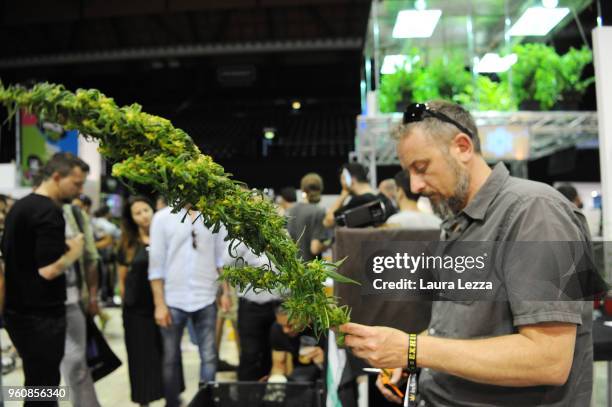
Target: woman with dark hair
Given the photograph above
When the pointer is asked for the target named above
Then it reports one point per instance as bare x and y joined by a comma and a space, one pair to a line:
142, 338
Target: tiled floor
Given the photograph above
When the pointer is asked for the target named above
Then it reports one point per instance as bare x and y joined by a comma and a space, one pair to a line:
114, 390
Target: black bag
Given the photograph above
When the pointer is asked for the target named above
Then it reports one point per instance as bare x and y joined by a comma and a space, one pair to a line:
100, 357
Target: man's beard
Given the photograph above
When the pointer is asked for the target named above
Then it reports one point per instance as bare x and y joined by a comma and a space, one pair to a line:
447, 207
440, 208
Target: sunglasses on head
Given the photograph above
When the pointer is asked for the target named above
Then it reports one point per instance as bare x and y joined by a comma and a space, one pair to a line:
194, 240
417, 112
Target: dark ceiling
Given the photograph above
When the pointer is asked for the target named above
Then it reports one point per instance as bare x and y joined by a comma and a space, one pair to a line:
220, 69
223, 70
69, 26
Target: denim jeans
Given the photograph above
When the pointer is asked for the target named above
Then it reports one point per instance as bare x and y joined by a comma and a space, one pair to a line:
204, 323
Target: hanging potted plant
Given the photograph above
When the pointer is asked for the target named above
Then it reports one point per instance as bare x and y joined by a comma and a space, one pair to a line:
393, 89
535, 78
488, 95
571, 70
441, 79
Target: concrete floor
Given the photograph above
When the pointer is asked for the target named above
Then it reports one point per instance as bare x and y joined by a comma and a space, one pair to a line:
114, 389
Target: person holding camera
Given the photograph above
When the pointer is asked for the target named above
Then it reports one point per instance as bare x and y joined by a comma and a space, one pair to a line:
514, 352
354, 182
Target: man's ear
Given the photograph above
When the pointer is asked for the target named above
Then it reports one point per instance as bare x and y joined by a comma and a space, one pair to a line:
463, 146
56, 176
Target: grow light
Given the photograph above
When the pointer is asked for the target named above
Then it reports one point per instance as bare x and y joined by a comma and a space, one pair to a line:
493, 63
538, 21
416, 23
392, 62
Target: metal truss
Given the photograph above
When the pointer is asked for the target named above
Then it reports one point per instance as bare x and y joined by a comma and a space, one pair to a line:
548, 132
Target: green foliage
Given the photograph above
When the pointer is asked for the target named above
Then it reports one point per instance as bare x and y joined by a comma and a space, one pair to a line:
539, 75
572, 66
542, 75
487, 95
148, 150
441, 79
392, 89
535, 75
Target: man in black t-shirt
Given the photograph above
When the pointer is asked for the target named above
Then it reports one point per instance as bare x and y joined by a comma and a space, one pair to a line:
36, 256
354, 181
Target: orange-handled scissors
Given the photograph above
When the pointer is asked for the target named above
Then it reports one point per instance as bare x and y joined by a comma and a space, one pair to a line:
385, 378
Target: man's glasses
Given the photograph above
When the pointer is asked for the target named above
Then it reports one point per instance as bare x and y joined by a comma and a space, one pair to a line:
418, 112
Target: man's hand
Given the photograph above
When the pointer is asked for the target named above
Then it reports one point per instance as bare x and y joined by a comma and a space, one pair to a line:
316, 355
395, 378
345, 189
380, 346
225, 302
162, 316
75, 247
93, 308
329, 220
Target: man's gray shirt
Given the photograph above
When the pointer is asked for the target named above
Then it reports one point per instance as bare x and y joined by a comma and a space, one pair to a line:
305, 223
510, 209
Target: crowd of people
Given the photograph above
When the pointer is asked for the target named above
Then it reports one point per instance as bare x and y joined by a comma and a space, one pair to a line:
63, 262
164, 264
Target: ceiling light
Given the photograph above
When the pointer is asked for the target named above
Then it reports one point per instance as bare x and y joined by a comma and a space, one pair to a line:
296, 105
391, 63
269, 133
493, 63
416, 23
538, 21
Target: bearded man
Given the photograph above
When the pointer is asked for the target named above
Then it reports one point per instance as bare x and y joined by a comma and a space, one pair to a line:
494, 353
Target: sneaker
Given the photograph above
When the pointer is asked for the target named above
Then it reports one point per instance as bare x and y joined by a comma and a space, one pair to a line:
189, 347
8, 364
104, 317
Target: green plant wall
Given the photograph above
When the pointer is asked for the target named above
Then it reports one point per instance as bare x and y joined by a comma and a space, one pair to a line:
540, 77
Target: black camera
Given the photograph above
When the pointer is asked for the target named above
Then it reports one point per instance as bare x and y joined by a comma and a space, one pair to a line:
369, 214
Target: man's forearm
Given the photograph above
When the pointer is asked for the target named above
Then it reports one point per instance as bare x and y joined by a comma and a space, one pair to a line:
157, 286
329, 221
104, 242
91, 279
55, 269
226, 288
509, 360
